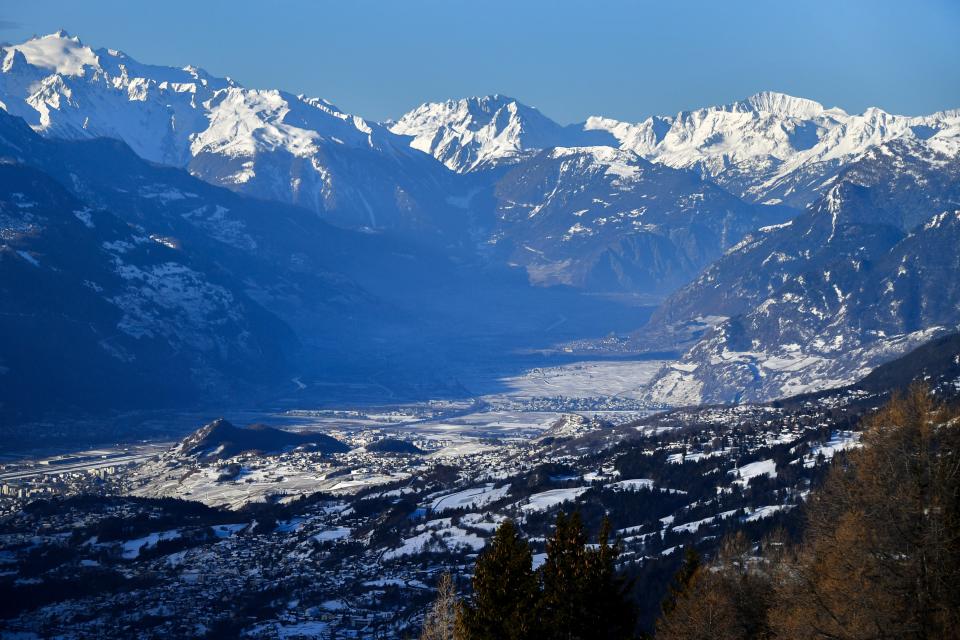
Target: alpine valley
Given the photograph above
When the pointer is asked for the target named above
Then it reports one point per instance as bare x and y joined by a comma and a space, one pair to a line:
469, 314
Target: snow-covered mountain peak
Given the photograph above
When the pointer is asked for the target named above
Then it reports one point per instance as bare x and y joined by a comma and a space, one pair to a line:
265, 142
769, 147
465, 114
772, 147
489, 104
478, 132
165, 113
58, 52
243, 122
782, 104
467, 133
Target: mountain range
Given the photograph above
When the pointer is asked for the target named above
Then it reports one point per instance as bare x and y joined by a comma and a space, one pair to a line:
166, 222
866, 272
770, 148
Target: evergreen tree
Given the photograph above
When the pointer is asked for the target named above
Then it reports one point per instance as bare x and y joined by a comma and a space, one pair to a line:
505, 591
583, 596
576, 595
564, 605
613, 612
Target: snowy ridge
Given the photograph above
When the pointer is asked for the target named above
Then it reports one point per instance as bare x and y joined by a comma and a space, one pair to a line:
774, 147
781, 104
267, 143
617, 162
91, 93
862, 276
770, 147
476, 132
59, 52
604, 205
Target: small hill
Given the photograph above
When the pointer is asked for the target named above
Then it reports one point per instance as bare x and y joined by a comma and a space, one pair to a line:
936, 361
221, 439
392, 445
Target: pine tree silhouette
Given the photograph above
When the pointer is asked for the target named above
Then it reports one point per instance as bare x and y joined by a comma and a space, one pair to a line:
583, 596
505, 591
576, 595
611, 608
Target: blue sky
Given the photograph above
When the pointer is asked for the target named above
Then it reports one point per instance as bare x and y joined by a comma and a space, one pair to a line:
570, 59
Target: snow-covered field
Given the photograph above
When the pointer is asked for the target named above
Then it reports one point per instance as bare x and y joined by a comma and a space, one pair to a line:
548, 499
514, 406
132, 548
588, 379
264, 478
496, 423
436, 535
473, 498
750, 471
839, 441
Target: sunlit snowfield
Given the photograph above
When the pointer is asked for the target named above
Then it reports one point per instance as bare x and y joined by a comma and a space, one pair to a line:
516, 406
616, 378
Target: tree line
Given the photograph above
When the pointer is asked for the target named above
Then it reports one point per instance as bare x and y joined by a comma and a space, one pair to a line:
879, 559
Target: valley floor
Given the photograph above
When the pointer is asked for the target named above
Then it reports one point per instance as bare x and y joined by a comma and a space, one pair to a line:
350, 544
513, 407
